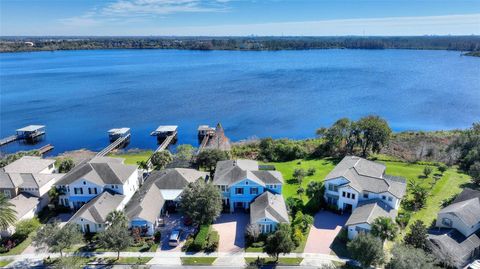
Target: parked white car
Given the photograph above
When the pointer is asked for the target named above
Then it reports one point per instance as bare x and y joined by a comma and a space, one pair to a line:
474, 265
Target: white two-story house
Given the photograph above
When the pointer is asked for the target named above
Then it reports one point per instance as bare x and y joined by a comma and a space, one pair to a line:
356, 182
91, 179
241, 182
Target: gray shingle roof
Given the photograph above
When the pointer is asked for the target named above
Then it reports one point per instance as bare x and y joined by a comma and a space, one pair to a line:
231, 171
468, 211
269, 205
451, 243
97, 209
24, 203
367, 212
365, 175
147, 202
100, 171
28, 164
176, 178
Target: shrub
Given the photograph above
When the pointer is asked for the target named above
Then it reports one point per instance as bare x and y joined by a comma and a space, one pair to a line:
311, 171
157, 236
188, 244
212, 242
298, 236
24, 227
200, 241
403, 219
259, 244
298, 175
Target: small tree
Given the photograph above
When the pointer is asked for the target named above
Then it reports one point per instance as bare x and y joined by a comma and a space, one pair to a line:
404, 257
417, 236
300, 191
366, 249
442, 168
117, 217
280, 242
474, 171
298, 175
208, 158
185, 152
427, 170
115, 237
419, 194
253, 231
384, 228
7, 213
311, 171
65, 165
143, 165
314, 189
160, 159
56, 239
202, 202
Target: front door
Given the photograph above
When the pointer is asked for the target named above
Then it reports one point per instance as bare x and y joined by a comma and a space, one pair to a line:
347, 207
87, 228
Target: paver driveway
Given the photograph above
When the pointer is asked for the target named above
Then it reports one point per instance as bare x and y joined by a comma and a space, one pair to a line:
231, 228
325, 228
174, 221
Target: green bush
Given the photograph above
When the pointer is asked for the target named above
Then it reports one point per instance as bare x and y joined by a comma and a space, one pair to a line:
200, 241
212, 242
259, 244
24, 227
188, 244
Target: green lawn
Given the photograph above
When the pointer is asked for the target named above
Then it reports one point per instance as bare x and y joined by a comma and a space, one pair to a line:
133, 157
198, 260
122, 260
449, 184
4, 263
322, 166
281, 261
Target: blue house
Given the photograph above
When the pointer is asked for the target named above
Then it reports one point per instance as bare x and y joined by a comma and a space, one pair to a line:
241, 181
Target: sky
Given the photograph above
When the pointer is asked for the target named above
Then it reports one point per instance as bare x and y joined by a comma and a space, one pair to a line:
238, 17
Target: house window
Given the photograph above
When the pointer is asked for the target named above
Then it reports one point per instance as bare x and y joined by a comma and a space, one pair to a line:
447, 222
89, 190
384, 197
95, 190
348, 195
390, 199
238, 190
78, 190
353, 195
365, 195
7, 193
344, 194
254, 191
332, 187
246, 182
84, 183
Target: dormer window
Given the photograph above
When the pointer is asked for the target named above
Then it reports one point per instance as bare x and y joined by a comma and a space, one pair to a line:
447, 222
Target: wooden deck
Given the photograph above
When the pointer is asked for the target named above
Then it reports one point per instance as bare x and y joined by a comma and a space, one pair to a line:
162, 146
9, 139
45, 149
203, 144
112, 146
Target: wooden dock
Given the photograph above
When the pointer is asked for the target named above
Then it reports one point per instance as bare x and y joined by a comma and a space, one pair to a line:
9, 139
113, 146
203, 144
162, 146
45, 149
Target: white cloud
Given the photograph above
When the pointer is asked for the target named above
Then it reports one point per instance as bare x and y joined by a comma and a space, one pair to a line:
160, 7
462, 24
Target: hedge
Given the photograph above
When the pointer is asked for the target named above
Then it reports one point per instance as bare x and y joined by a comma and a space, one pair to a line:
212, 242
200, 241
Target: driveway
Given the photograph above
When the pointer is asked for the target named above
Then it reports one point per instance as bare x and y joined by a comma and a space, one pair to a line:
174, 221
231, 228
325, 228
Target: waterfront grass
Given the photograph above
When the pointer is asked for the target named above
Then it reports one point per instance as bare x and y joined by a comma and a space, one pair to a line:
450, 183
133, 157
271, 261
198, 260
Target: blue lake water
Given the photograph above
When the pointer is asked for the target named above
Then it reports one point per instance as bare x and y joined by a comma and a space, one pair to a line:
79, 95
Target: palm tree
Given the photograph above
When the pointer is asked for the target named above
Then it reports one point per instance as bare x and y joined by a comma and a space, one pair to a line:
7, 213
384, 228
117, 217
419, 194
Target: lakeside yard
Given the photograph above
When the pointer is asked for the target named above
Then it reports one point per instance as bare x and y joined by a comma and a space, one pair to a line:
449, 184
133, 157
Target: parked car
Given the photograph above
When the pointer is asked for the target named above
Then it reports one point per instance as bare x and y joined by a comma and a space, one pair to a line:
174, 238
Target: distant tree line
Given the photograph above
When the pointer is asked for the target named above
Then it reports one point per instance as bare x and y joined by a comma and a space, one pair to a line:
459, 43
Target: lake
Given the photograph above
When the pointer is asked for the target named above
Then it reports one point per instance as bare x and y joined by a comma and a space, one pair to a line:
79, 95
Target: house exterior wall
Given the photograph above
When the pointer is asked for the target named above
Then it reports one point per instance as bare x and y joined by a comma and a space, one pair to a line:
75, 200
9, 192
89, 226
442, 222
342, 200
267, 225
354, 230
249, 194
45, 188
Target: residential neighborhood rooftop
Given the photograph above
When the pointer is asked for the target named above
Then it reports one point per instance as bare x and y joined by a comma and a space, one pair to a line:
24, 203
367, 212
269, 205
231, 171
365, 175
28, 164
97, 209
